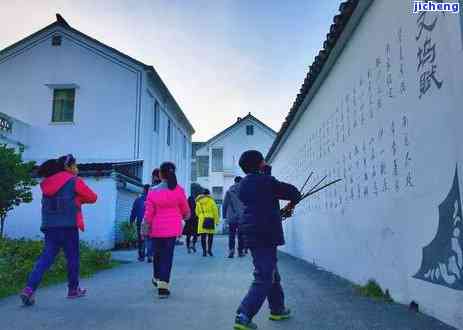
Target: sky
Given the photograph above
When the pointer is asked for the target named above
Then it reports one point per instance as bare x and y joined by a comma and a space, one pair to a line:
221, 59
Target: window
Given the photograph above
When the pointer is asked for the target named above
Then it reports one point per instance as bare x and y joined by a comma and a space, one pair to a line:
63, 105
169, 132
202, 165
250, 130
217, 193
56, 41
217, 160
194, 172
156, 116
184, 146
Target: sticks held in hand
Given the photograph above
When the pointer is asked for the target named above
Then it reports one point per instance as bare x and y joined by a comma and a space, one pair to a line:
288, 210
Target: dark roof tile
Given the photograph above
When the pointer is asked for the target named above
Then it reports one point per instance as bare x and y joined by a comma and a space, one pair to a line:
340, 20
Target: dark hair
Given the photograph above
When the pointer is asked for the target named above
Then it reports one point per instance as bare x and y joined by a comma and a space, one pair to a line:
238, 179
206, 192
168, 172
154, 174
49, 168
146, 188
66, 161
196, 190
250, 161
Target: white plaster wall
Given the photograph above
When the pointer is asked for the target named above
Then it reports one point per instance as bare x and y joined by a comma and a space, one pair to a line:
105, 101
234, 143
381, 236
155, 148
25, 220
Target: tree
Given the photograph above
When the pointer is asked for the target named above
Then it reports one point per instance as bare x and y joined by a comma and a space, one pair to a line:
15, 181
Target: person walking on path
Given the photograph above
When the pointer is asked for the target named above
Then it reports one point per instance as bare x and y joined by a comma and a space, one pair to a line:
191, 226
262, 232
63, 196
136, 216
233, 211
165, 208
208, 219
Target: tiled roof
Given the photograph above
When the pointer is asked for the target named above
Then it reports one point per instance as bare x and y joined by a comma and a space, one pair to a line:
129, 169
346, 10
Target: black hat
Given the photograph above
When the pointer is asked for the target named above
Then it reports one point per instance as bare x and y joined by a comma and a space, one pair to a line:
250, 161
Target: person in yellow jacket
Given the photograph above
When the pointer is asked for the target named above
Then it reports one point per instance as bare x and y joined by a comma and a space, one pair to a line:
208, 219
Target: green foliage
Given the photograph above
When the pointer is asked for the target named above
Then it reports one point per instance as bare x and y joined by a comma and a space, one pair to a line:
15, 182
128, 233
17, 258
373, 290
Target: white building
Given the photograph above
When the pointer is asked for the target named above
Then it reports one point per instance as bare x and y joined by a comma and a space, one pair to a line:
215, 162
381, 109
64, 92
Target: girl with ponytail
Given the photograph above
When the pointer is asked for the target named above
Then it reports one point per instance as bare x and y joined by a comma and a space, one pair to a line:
165, 208
63, 195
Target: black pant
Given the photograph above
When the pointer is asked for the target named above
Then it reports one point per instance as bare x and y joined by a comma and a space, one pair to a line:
188, 239
163, 258
210, 240
233, 232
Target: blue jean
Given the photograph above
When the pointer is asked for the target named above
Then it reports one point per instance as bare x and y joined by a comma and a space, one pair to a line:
55, 240
144, 244
266, 284
149, 246
163, 257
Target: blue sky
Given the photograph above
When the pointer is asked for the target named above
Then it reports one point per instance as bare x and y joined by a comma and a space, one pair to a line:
220, 58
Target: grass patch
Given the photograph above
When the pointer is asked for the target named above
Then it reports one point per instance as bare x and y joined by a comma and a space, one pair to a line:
373, 290
18, 256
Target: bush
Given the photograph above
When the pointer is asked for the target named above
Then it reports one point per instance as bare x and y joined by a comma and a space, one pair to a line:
18, 256
373, 290
128, 235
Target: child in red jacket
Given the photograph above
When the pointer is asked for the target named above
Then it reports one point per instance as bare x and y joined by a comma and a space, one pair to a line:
63, 196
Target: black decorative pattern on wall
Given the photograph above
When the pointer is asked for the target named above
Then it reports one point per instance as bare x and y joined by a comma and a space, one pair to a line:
442, 262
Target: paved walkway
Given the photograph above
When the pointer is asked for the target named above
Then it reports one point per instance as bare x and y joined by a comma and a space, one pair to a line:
205, 294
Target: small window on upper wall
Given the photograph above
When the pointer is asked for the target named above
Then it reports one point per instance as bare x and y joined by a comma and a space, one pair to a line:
63, 105
184, 146
169, 132
250, 130
156, 116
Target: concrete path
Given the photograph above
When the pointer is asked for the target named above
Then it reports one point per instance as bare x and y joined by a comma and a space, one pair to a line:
205, 294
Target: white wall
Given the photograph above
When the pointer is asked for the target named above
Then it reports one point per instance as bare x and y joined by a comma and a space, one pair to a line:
234, 143
25, 220
382, 234
105, 100
155, 148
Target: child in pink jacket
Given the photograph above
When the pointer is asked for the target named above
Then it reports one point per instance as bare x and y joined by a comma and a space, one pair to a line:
165, 207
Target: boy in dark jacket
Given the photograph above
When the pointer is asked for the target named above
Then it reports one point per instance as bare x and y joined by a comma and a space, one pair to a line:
138, 211
262, 231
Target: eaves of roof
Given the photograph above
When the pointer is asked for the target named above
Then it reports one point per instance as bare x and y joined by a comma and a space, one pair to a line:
239, 122
340, 31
